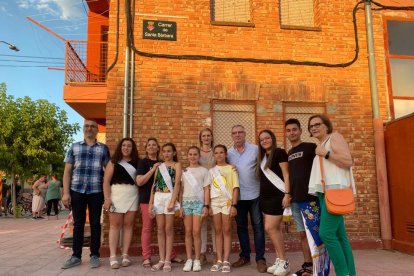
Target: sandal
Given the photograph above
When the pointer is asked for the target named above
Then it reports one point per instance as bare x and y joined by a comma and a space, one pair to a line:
125, 260
113, 262
167, 266
146, 263
226, 267
157, 266
217, 267
307, 269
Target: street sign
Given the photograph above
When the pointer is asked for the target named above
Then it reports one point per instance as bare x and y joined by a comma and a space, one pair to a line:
159, 30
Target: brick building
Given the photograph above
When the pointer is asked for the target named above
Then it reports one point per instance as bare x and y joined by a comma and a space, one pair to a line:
300, 61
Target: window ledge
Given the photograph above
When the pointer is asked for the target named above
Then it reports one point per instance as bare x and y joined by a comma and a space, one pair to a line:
301, 28
236, 24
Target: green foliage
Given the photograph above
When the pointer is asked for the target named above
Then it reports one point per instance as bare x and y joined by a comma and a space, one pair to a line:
33, 134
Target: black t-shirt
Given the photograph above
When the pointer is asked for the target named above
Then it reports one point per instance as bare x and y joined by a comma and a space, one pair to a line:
267, 189
300, 166
121, 176
145, 166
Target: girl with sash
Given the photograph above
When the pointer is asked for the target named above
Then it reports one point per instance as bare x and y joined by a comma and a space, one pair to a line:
164, 202
224, 193
121, 198
274, 195
195, 200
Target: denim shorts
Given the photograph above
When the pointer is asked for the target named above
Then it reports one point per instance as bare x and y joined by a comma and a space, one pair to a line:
192, 207
297, 216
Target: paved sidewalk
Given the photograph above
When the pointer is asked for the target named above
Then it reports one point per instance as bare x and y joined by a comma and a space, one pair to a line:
28, 247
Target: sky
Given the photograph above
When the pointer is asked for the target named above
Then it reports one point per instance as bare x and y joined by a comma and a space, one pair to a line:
26, 72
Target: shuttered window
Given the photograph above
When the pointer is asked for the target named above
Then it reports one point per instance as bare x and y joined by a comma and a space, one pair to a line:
227, 114
231, 10
300, 13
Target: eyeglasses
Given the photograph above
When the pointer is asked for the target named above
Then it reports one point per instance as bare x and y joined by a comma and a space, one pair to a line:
317, 125
90, 126
237, 132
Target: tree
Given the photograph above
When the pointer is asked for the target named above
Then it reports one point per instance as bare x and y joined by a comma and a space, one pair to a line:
33, 135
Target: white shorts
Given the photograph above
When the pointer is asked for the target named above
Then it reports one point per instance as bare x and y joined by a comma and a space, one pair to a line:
220, 205
161, 202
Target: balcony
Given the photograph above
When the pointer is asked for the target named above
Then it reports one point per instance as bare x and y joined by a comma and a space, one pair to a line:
85, 78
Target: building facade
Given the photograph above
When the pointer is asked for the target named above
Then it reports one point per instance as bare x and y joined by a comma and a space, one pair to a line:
196, 64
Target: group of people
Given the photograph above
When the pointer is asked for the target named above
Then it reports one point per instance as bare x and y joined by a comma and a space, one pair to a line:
46, 193
260, 181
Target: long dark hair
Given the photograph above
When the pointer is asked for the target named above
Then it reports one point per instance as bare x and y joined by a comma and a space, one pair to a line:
224, 148
175, 158
262, 151
118, 151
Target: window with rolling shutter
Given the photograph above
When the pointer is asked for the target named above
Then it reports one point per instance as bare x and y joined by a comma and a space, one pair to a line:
300, 13
231, 10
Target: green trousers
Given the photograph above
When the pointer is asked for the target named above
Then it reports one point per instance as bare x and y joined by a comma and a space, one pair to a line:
333, 234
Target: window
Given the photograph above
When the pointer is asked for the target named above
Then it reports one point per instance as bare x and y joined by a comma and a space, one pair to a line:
226, 114
297, 13
302, 111
230, 11
401, 66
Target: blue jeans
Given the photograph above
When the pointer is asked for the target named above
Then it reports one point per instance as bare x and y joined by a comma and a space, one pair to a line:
79, 203
243, 208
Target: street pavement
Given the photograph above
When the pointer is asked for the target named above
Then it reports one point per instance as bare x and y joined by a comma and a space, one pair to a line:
28, 247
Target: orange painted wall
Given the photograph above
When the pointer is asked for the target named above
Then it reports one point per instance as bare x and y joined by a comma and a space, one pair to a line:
96, 22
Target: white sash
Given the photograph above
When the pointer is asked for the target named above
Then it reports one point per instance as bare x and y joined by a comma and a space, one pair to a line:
189, 177
276, 181
166, 176
217, 176
129, 168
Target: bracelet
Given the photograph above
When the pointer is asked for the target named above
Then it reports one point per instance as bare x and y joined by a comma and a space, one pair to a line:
206, 205
327, 155
234, 205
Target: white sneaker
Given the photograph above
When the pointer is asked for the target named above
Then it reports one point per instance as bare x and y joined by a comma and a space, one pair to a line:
188, 265
197, 266
282, 269
271, 269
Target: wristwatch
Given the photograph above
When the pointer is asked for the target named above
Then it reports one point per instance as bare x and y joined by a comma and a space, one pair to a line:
327, 155
206, 205
234, 205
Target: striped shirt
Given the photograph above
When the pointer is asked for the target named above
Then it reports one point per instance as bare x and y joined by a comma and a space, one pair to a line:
88, 163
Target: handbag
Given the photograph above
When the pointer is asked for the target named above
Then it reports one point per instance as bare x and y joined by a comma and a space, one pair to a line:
338, 201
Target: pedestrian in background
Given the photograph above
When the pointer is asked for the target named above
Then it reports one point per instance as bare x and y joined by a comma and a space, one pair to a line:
53, 195
39, 192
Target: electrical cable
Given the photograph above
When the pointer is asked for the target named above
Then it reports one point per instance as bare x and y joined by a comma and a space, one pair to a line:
254, 60
116, 39
131, 43
392, 8
33, 61
4, 55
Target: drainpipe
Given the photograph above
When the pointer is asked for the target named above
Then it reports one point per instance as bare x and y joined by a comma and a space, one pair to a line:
379, 141
126, 84
131, 95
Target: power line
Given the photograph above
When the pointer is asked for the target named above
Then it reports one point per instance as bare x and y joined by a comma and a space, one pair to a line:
30, 56
9, 65
32, 61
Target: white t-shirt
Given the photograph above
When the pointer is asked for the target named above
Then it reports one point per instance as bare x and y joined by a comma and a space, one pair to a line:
203, 179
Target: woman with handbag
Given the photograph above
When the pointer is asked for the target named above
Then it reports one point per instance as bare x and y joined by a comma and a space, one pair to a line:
331, 171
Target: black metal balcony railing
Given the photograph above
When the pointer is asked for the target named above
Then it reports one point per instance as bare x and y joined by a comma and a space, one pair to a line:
78, 70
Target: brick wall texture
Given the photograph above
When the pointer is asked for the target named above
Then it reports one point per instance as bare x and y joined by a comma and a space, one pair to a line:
172, 98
